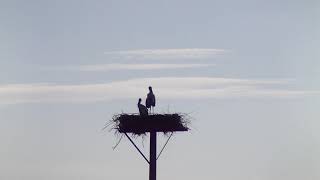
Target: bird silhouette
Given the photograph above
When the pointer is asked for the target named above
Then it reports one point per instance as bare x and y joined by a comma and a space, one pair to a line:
142, 109
151, 100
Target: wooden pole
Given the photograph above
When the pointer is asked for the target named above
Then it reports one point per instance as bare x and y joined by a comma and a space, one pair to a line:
153, 156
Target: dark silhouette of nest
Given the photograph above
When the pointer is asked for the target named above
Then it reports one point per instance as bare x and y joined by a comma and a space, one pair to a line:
139, 125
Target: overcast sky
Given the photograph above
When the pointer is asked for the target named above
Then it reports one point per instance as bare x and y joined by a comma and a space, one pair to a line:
246, 71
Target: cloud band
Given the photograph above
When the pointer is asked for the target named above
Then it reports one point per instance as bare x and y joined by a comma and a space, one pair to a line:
166, 87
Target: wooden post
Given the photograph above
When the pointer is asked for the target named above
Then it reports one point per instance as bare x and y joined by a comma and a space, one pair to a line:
153, 156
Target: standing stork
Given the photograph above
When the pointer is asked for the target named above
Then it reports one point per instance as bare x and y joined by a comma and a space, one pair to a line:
151, 100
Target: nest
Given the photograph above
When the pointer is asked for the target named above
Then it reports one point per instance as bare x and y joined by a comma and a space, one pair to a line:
138, 125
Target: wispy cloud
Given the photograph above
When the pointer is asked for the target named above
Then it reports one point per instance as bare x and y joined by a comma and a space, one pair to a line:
143, 54
151, 57
168, 87
113, 67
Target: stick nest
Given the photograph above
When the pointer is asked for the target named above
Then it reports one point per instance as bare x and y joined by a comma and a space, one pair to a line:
139, 125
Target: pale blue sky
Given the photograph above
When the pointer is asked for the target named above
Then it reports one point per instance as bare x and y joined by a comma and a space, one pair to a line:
247, 71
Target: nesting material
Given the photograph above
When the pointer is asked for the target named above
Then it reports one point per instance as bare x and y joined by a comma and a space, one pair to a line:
136, 124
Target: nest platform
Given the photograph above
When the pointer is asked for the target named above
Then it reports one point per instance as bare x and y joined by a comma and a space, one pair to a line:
136, 124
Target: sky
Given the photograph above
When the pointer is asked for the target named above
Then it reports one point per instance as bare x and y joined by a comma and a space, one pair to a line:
247, 72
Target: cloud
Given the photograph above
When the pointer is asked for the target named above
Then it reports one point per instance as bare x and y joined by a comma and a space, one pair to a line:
149, 54
155, 55
164, 87
113, 67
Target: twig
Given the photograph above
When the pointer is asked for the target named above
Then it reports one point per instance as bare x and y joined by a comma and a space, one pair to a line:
114, 147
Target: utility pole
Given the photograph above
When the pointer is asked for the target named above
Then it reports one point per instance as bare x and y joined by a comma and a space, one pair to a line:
151, 124
153, 156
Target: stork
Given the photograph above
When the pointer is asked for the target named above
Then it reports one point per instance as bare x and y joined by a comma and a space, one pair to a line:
151, 100
142, 109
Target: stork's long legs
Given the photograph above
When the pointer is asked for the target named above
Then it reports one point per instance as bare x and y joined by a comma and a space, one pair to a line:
151, 110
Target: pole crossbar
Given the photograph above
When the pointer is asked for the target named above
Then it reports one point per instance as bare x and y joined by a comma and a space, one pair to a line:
137, 148
165, 145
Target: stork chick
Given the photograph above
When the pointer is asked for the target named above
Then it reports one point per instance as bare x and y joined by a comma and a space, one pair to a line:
142, 109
